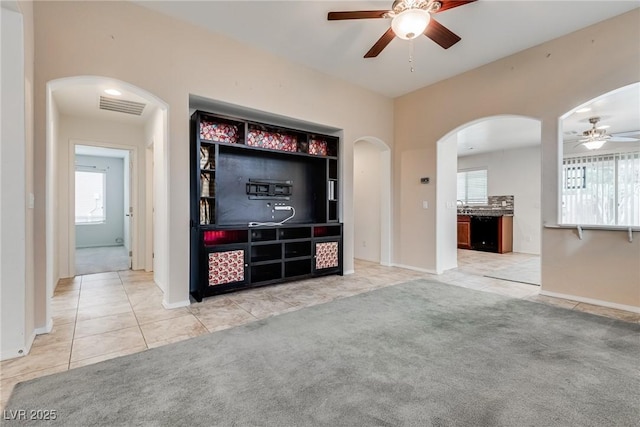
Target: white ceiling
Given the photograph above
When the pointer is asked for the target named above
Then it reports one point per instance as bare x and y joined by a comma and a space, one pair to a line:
495, 134
83, 100
299, 31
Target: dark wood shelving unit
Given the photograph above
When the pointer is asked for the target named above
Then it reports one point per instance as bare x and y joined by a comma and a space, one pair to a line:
264, 204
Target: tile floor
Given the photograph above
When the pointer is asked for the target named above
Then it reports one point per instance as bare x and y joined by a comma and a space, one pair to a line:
106, 315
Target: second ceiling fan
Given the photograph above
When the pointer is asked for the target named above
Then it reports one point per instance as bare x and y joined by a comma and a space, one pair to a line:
410, 19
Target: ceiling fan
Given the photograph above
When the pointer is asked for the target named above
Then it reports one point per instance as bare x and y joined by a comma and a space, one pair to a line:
410, 19
595, 138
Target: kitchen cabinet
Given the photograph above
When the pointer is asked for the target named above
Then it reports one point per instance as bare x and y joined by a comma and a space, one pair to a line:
489, 233
464, 232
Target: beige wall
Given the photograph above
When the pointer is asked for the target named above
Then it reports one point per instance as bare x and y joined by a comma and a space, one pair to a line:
172, 60
367, 166
543, 82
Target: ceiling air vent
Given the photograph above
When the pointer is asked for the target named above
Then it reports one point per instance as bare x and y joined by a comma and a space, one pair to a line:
121, 106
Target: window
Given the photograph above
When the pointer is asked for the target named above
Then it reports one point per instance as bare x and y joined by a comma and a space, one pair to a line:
90, 197
472, 187
601, 189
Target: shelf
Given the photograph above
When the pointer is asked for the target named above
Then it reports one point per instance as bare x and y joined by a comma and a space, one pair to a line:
240, 172
239, 146
266, 272
295, 233
224, 237
297, 268
269, 252
327, 231
297, 249
214, 129
263, 235
333, 169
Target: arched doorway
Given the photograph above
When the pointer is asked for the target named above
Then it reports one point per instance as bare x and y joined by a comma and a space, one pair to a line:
372, 200
508, 147
82, 103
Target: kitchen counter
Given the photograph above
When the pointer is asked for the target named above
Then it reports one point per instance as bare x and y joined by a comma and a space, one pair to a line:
487, 212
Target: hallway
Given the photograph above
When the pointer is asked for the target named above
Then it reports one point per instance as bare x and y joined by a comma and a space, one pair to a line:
101, 259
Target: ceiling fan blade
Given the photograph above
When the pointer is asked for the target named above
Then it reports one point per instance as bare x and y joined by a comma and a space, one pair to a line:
357, 14
441, 34
451, 4
623, 139
381, 44
630, 134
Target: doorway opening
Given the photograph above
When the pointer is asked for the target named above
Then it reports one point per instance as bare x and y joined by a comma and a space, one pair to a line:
102, 208
105, 118
372, 200
507, 149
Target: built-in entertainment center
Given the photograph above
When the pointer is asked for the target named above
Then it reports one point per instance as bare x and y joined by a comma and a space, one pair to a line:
264, 204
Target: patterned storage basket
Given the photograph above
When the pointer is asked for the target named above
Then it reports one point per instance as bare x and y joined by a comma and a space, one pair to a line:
272, 140
327, 255
218, 132
226, 267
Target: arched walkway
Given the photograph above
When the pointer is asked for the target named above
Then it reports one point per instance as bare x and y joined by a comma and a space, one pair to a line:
60, 248
494, 141
372, 200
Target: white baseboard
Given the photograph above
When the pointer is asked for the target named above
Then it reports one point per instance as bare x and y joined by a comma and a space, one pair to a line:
14, 353
45, 329
346, 273
608, 304
171, 306
422, 270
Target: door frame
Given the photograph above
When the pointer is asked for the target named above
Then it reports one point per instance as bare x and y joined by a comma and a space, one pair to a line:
133, 197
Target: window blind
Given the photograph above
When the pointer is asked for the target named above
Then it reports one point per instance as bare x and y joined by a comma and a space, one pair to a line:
472, 186
601, 189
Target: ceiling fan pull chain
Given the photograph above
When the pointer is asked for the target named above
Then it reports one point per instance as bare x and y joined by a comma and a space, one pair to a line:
411, 56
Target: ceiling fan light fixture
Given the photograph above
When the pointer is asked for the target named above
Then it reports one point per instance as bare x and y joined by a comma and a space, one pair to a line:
410, 23
594, 145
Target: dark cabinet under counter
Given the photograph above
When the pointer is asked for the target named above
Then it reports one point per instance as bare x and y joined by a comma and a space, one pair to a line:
489, 233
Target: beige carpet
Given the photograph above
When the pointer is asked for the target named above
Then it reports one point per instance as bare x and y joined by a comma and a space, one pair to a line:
415, 354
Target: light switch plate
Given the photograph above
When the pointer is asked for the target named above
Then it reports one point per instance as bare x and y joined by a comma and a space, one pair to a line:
425, 204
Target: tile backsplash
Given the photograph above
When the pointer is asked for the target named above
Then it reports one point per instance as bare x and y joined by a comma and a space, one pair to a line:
495, 202
496, 205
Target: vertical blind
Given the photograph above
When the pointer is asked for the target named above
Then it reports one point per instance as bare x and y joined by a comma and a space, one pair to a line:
601, 189
472, 186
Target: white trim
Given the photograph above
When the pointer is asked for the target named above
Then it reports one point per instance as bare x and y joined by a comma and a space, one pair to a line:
626, 228
20, 351
422, 270
348, 272
631, 308
179, 304
133, 198
45, 329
